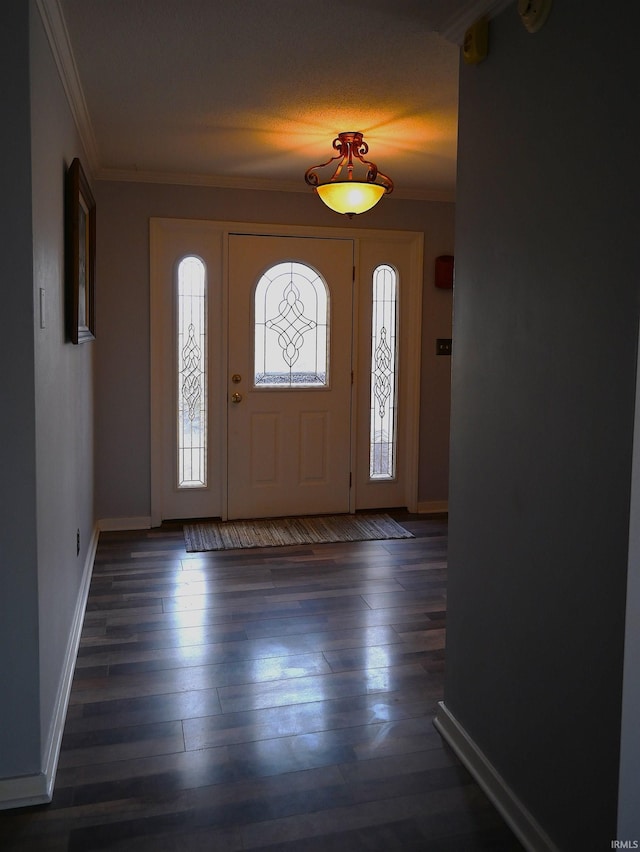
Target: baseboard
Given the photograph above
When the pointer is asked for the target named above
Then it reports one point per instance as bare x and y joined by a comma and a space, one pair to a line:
515, 814
433, 507
23, 791
122, 524
37, 789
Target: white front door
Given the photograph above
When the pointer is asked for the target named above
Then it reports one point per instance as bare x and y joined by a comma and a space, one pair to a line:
289, 365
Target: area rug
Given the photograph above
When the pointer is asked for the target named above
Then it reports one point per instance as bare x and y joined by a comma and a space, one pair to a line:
228, 535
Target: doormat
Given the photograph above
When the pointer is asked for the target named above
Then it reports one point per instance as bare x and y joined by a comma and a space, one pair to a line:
277, 532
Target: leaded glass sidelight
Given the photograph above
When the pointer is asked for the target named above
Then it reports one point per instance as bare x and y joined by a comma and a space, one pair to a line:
291, 318
191, 354
384, 374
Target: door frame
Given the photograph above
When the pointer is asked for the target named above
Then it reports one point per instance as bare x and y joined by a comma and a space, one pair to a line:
161, 230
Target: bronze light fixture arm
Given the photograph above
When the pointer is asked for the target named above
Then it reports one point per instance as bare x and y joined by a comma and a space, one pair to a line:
349, 145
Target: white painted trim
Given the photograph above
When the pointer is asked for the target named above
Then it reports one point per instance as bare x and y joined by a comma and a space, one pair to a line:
161, 228
155, 359
629, 764
413, 336
433, 507
54, 740
143, 522
403, 253
60, 44
24, 791
515, 814
37, 789
356, 307
252, 184
170, 240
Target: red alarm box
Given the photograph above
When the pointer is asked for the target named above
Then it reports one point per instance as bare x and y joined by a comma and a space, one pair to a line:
444, 271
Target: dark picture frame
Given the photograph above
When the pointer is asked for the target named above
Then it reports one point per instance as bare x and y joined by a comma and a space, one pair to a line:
80, 255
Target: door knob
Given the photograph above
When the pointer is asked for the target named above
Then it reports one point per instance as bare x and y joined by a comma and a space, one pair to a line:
236, 397
236, 378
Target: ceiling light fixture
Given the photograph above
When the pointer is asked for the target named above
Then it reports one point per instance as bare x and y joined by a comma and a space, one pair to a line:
361, 188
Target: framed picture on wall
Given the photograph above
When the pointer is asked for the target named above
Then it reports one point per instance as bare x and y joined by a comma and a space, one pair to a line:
80, 255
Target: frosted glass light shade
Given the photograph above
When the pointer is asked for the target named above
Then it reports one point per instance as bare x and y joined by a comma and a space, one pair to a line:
350, 196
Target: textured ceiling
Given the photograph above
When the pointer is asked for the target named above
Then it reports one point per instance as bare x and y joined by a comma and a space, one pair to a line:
250, 91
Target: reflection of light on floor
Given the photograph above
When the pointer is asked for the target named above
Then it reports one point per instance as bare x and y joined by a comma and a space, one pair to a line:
378, 657
275, 668
380, 713
377, 662
382, 733
191, 617
377, 680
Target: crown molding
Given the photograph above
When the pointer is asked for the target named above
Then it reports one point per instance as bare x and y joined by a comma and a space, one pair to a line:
253, 184
58, 38
454, 27
196, 179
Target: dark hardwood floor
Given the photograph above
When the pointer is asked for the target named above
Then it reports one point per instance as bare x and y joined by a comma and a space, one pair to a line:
274, 699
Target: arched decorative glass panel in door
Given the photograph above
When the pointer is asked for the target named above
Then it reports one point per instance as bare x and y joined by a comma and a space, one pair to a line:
384, 373
191, 358
291, 321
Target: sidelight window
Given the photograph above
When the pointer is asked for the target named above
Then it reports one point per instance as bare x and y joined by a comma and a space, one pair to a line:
191, 355
384, 374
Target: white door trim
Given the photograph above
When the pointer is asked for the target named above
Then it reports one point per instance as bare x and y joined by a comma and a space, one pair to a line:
161, 228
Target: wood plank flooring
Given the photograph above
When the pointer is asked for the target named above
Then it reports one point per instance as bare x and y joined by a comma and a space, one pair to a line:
279, 699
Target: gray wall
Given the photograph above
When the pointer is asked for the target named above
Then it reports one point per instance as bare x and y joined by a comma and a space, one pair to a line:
545, 332
19, 705
64, 380
46, 415
122, 347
